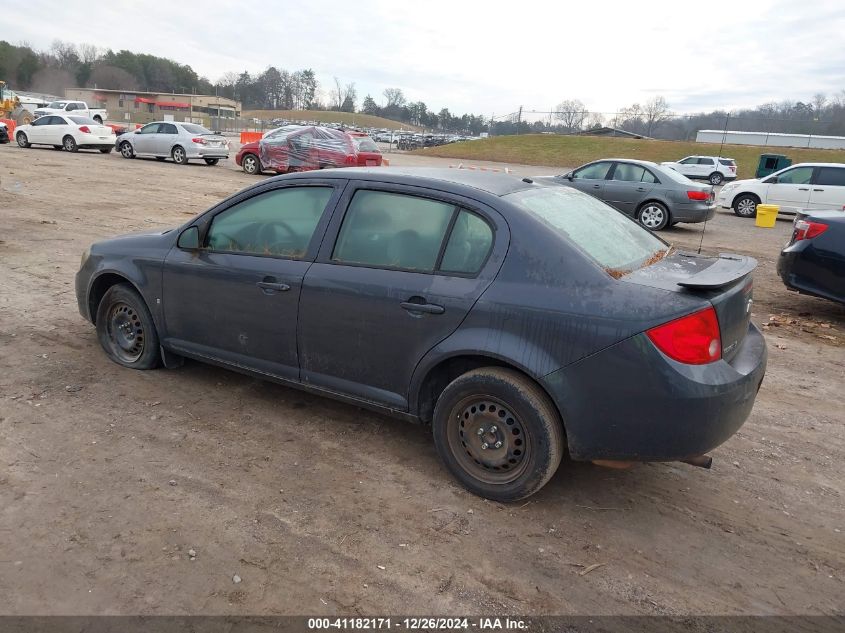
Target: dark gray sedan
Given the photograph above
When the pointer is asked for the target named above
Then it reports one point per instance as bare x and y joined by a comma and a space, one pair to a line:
656, 196
519, 320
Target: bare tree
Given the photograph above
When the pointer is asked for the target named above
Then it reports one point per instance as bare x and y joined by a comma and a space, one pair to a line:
112, 78
819, 102
655, 113
395, 97
571, 113
52, 81
88, 53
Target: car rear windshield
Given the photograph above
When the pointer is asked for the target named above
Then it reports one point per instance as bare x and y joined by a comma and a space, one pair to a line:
727, 161
615, 242
83, 120
192, 128
365, 144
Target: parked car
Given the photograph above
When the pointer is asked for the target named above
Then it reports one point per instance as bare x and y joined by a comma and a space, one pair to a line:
512, 316
714, 169
813, 262
75, 108
798, 187
180, 141
655, 196
298, 148
4, 133
367, 152
71, 133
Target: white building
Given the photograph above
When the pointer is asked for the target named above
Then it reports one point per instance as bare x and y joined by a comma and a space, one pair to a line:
770, 139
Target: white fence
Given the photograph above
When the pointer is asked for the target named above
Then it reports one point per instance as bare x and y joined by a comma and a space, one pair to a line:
771, 139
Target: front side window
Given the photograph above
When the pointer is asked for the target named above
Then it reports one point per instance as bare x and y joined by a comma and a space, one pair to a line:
797, 176
690, 160
279, 222
628, 173
152, 128
391, 230
831, 176
596, 171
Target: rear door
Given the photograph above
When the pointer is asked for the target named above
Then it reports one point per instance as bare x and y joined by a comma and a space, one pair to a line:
236, 299
163, 141
705, 167
828, 190
627, 187
398, 272
591, 178
790, 190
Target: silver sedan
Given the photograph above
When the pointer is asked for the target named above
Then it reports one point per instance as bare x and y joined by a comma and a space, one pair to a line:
655, 196
179, 141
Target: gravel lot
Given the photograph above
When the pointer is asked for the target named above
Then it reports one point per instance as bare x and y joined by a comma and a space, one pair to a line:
110, 477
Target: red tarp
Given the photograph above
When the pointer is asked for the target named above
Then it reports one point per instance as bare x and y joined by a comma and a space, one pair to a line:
172, 104
144, 100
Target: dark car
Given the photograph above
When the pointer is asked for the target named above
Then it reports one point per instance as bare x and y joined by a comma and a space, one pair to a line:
294, 148
518, 319
4, 134
813, 262
655, 196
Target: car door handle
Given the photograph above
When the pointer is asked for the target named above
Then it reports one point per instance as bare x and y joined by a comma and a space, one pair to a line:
803, 188
272, 285
818, 189
429, 308
640, 188
596, 186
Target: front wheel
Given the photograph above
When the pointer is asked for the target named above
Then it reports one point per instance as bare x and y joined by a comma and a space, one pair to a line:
22, 140
179, 155
126, 330
498, 433
653, 216
69, 143
745, 206
716, 178
212, 161
126, 150
251, 165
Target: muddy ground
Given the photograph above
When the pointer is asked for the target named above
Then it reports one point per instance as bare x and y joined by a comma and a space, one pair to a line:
111, 476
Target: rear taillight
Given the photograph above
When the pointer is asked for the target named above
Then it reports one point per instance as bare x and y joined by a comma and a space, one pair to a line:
198, 140
733, 168
85, 128
806, 230
693, 339
698, 195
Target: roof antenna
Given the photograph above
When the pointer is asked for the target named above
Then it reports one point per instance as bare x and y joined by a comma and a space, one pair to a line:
721, 147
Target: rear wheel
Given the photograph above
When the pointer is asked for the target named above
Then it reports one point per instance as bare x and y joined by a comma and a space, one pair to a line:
212, 161
498, 433
126, 330
22, 140
98, 119
653, 216
251, 165
126, 150
745, 205
716, 178
69, 143
179, 155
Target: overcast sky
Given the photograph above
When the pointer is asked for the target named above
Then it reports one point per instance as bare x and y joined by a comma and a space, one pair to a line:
484, 58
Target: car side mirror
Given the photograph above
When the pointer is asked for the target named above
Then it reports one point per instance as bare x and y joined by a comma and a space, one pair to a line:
771, 181
189, 239
570, 176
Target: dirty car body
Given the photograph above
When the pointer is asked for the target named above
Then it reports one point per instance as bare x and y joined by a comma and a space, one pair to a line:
398, 290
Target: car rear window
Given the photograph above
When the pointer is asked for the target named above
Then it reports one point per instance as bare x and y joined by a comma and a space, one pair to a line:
727, 161
192, 128
83, 120
365, 144
615, 242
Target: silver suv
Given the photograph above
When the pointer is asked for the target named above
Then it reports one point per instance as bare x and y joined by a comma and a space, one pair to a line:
714, 169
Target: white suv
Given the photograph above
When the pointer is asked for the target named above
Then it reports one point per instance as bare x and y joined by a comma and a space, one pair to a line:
799, 187
714, 169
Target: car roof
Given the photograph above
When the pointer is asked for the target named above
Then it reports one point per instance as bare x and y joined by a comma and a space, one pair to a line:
633, 161
494, 183
817, 165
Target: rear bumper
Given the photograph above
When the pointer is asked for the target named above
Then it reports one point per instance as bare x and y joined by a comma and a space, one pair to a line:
801, 269
207, 152
630, 402
694, 212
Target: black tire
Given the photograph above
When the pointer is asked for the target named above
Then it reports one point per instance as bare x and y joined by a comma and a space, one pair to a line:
251, 164
98, 119
211, 161
715, 178
126, 330
745, 205
126, 150
106, 150
520, 445
69, 144
22, 140
653, 215
179, 155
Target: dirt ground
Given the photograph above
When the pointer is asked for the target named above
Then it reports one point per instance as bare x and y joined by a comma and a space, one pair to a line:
110, 477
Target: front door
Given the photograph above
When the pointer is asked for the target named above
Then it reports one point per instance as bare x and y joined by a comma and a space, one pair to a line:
790, 190
236, 300
591, 178
145, 139
397, 274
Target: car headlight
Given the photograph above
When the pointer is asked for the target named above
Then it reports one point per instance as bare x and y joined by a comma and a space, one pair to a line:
85, 255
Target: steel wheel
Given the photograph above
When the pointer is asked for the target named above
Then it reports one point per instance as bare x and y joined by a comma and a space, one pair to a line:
654, 216
250, 164
716, 178
125, 332
488, 439
179, 156
745, 206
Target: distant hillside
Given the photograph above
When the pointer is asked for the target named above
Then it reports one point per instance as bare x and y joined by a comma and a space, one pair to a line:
572, 151
347, 118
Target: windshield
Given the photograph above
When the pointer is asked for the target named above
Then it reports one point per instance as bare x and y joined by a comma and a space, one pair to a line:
57, 105
615, 242
83, 120
365, 144
193, 128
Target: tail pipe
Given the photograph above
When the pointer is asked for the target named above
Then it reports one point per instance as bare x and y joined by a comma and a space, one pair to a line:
702, 461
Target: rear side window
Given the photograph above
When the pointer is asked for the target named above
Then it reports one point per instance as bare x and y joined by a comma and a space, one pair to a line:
628, 173
615, 242
705, 161
391, 230
831, 176
469, 244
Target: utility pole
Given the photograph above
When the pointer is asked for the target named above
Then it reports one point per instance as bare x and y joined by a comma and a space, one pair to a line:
519, 119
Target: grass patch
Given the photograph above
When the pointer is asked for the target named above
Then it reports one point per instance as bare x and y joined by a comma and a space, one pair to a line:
572, 151
347, 118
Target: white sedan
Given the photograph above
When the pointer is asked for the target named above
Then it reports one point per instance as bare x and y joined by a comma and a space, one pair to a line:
66, 132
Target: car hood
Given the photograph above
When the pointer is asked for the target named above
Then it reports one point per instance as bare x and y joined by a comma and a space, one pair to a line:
740, 183
139, 238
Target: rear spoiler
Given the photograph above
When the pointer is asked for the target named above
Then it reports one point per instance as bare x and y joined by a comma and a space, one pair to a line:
723, 272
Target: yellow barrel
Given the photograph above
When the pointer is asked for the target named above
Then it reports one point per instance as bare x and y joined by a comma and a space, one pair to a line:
766, 215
